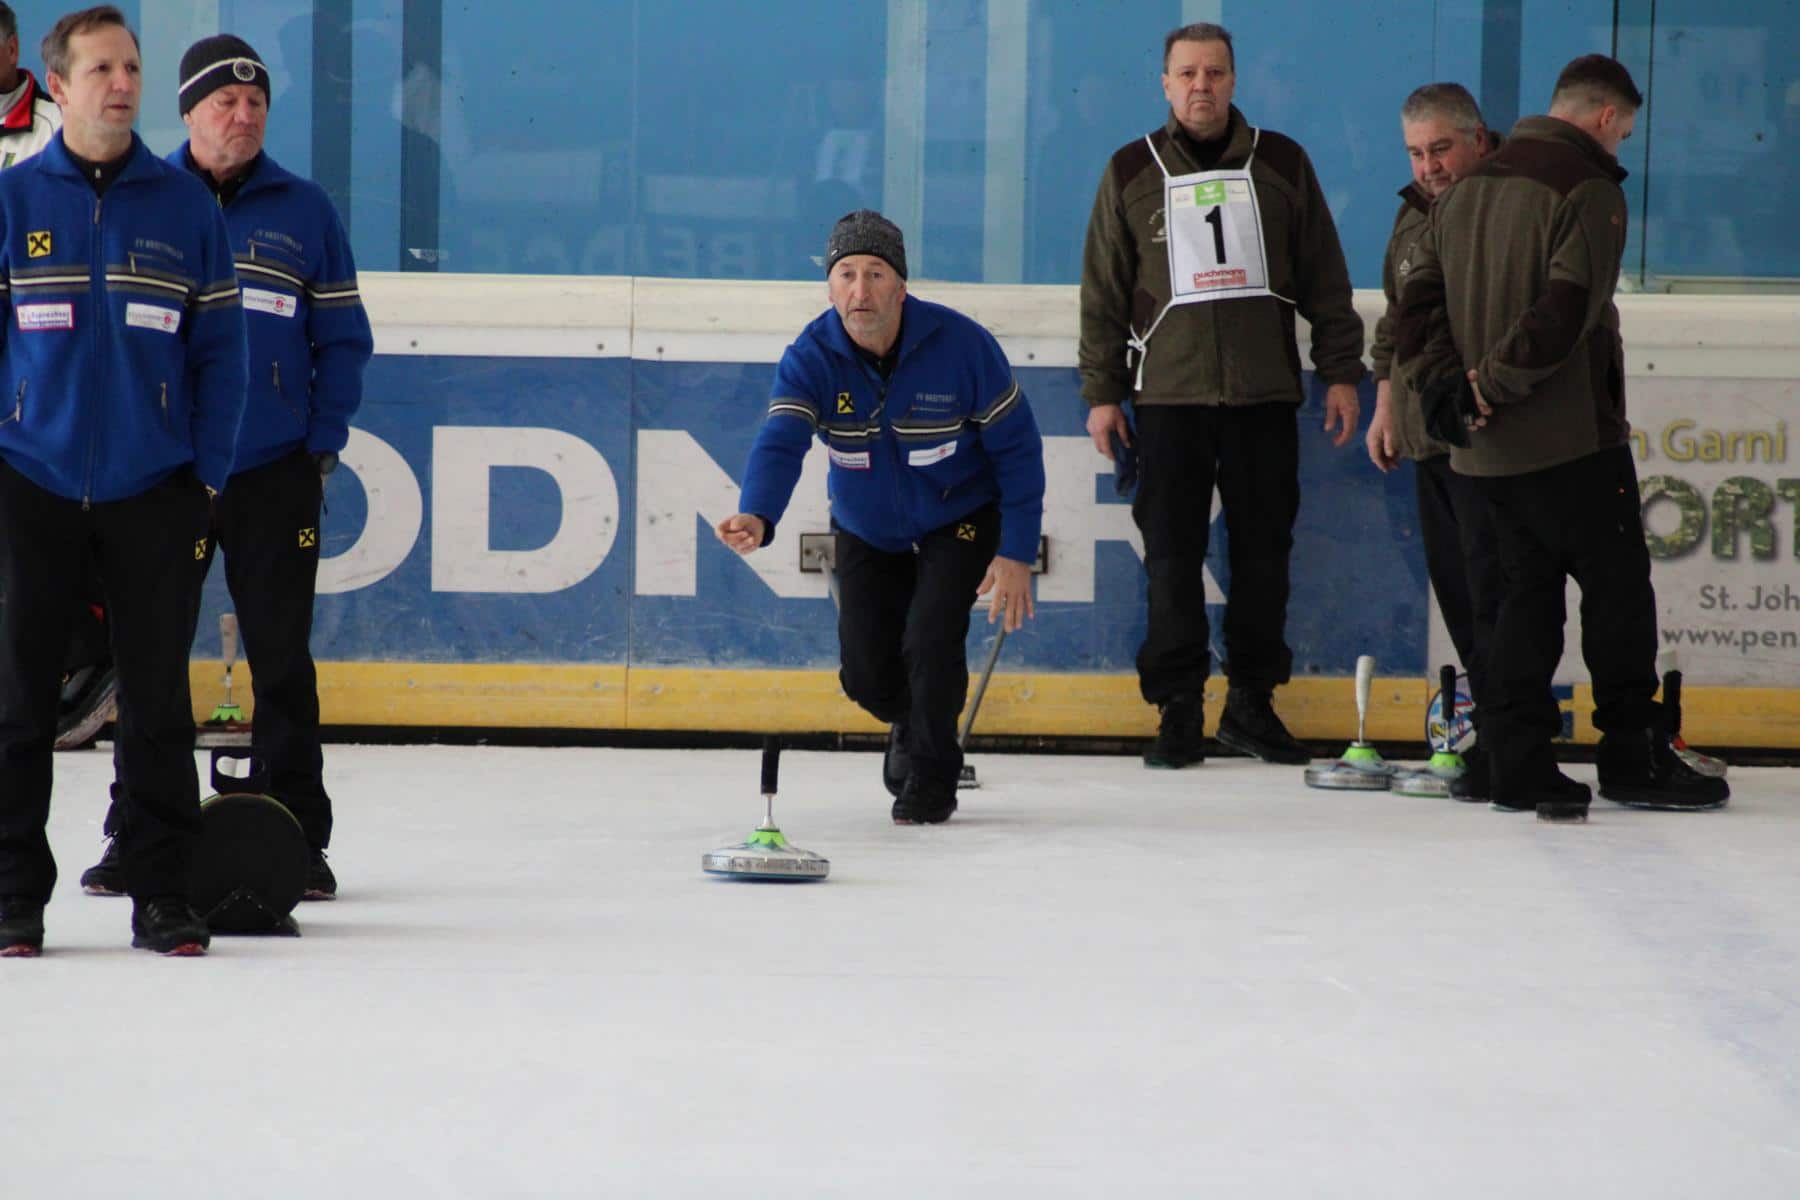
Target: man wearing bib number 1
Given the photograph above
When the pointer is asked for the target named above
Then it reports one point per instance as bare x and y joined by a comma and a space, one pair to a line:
1207, 236
309, 341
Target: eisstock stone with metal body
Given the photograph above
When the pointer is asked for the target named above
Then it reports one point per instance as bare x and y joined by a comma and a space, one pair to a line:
1360, 768
766, 855
1446, 723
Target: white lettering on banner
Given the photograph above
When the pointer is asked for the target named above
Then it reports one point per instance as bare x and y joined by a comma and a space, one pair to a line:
396, 513
679, 486
46, 316
274, 303
680, 489
462, 459
152, 316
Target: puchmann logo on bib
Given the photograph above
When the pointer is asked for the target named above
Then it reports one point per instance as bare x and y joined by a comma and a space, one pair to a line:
1210, 193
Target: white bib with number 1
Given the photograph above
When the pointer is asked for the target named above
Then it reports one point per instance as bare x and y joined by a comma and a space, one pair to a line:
1215, 237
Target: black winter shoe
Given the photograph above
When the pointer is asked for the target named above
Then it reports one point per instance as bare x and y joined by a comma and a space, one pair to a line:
321, 884
21, 927
167, 925
1473, 785
896, 764
1249, 726
1642, 770
1178, 739
106, 877
1564, 801
923, 803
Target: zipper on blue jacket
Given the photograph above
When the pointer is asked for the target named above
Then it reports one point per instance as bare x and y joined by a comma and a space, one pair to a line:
279, 390
97, 280
891, 442
18, 412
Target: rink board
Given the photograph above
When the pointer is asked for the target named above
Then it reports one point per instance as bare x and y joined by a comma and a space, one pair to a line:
520, 535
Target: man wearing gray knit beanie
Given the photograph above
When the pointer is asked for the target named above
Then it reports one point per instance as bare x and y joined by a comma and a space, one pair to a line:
937, 494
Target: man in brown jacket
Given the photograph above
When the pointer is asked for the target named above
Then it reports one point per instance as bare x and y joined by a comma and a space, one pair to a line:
1445, 137
1507, 325
1206, 237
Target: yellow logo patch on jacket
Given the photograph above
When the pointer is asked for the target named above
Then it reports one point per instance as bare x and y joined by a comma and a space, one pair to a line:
309, 538
37, 243
844, 405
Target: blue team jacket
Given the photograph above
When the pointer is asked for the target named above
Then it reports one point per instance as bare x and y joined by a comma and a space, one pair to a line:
309, 336
948, 432
123, 351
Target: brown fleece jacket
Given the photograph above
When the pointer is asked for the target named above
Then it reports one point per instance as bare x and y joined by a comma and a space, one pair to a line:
1239, 351
1410, 224
1515, 278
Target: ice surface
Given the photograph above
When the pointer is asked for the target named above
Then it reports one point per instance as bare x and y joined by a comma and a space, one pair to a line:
1097, 980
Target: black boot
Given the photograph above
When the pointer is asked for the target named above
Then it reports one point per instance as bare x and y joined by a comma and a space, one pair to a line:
1563, 800
1249, 726
167, 925
106, 877
21, 927
1474, 784
1178, 739
896, 764
321, 884
1642, 770
924, 803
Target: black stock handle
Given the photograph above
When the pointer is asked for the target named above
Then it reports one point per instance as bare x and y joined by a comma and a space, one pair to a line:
254, 781
771, 764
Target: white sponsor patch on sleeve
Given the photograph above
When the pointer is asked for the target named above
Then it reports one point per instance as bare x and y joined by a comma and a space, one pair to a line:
850, 460
264, 301
45, 316
153, 316
924, 458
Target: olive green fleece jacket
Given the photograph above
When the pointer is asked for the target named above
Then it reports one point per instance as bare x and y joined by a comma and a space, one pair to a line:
1410, 224
1238, 351
1515, 280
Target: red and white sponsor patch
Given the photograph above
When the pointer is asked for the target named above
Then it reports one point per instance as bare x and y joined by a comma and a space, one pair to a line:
153, 316
45, 316
274, 303
924, 458
850, 460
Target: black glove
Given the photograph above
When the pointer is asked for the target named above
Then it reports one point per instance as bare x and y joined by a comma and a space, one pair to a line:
1449, 406
327, 461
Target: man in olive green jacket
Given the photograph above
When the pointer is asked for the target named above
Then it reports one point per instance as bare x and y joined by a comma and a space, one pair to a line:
1445, 138
1206, 237
1507, 318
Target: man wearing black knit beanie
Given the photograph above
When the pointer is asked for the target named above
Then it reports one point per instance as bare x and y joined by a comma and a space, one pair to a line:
309, 341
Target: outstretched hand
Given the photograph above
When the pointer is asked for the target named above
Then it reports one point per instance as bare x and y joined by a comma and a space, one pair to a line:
743, 532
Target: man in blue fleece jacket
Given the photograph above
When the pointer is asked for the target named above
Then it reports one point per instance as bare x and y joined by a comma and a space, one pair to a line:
122, 363
309, 342
937, 495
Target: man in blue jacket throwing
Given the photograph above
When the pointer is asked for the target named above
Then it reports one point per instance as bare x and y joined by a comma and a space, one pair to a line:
309, 342
937, 495
122, 364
